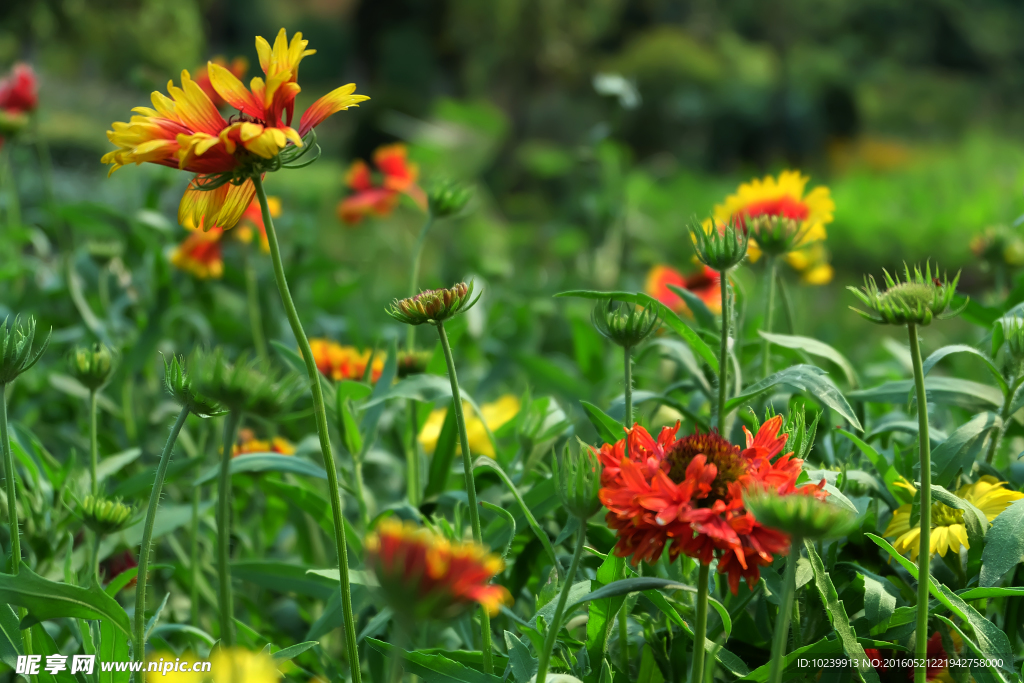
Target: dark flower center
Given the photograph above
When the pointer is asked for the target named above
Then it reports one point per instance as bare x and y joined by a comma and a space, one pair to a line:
718, 452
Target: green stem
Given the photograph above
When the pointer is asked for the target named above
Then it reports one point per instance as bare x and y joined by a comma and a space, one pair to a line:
320, 413
563, 596
771, 265
624, 637
798, 636
700, 624
360, 487
94, 450
723, 353
45, 163
924, 555
194, 556
252, 295
412, 459
227, 609
414, 279
147, 536
785, 613
95, 569
13, 205
993, 445
467, 464
12, 488
627, 357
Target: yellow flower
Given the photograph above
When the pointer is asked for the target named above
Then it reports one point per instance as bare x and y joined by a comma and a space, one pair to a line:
168, 660
495, 414
948, 531
242, 666
784, 197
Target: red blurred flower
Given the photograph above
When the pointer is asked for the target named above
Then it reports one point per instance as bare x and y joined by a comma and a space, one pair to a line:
238, 67
200, 253
705, 283
423, 575
688, 492
19, 92
938, 662
379, 195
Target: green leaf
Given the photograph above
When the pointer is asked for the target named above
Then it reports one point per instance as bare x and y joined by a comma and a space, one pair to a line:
284, 577
47, 599
626, 586
681, 354
433, 668
294, 359
815, 348
987, 636
293, 651
991, 592
111, 464
979, 653
601, 613
72, 387
975, 521
836, 612
423, 387
118, 583
444, 455
42, 644
355, 391
701, 313
348, 427
11, 644
266, 462
187, 629
113, 647
1004, 548
959, 451
610, 431
938, 355
944, 390
808, 378
889, 474
667, 315
524, 665
317, 507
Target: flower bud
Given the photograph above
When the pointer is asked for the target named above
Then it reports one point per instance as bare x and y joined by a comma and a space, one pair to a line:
245, 385
916, 300
106, 516
776, 235
16, 354
578, 481
998, 245
413, 362
719, 246
627, 328
447, 198
181, 386
799, 515
1013, 330
91, 365
433, 305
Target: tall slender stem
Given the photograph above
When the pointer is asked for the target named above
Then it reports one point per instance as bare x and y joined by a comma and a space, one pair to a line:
147, 537
193, 556
252, 295
785, 613
924, 554
723, 353
700, 624
226, 600
320, 413
45, 163
94, 569
467, 464
624, 637
12, 487
13, 204
94, 449
412, 458
414, 279
627, 357
771, 266
563, 596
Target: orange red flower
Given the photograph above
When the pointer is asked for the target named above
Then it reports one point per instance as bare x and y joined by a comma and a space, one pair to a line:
186, 131
784, 197
345, 362
687, 493
705, 283
424, 576
200, 253
378, 195
239, 66
248, 443
19, 95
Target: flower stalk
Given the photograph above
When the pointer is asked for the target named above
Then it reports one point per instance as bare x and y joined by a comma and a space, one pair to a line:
563, 596
94, 450
467, 464
252, 296
320, 414
771, 275
227, 608
700, 624
723, 352
414, 279
782, 620
924, 555
12, 489
147, 536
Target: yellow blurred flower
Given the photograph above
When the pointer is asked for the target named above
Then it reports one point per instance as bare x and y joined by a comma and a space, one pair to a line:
248, 443
161, 661
242, 666
948, 531
495, 414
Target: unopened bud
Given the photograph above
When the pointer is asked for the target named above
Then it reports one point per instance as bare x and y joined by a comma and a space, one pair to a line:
91, 365
433, 305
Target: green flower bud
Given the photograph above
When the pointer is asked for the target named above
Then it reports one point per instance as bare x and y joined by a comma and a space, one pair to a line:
181, 386
106, 516
776, 235
433, 305
91, 365
16, 354
447, 198
578, 480
719, 246
1013, 331
801, 516
245, 385
626, 327
916, 300
413, 362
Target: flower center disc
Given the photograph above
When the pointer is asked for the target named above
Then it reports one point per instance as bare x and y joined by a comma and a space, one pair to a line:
718, 452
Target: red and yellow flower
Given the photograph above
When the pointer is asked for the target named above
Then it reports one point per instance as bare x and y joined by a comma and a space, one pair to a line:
424, 575
379, 195
705, 283
248, 443
784, 197
186, 131
239, 66
688, 494
19, 96
345, 362
200, 253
